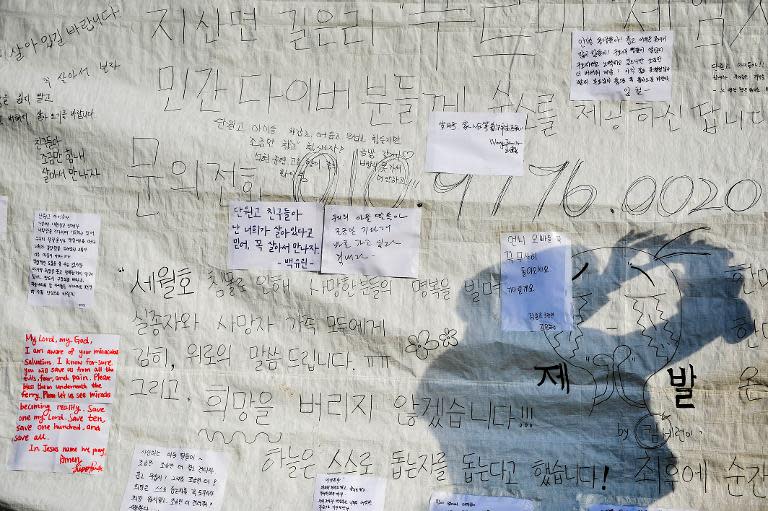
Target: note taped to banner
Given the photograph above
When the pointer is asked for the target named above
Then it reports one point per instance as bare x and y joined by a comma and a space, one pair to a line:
483, 143
275, 235
535, 282
65, 252
619, 66
443, 501
371, 241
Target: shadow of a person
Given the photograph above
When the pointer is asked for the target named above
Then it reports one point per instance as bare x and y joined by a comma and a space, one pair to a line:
638, 306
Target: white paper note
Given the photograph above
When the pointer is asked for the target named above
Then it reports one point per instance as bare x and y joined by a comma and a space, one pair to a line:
65, 251
371, 241
622, 66
476, 143
442, 501
275, 235
535, 282
178, 479
3, 216
349, 493
54, 436
70, 367
63, 420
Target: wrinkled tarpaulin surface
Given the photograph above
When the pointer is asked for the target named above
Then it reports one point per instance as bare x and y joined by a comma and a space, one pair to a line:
177, 108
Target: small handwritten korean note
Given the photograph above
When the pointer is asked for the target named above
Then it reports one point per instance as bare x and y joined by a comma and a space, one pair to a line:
476, 143
535, 282
68, 386
65, 250
371, 241
178, 479
3, 216
442, 501
275, 235
622, 66
349, 493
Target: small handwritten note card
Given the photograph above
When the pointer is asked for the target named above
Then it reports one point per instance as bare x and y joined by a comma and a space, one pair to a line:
65, 252
371, 241
175, 479
63, 419
535, 282
476, 143
275, 235
349, 493
442, 501
617, 66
